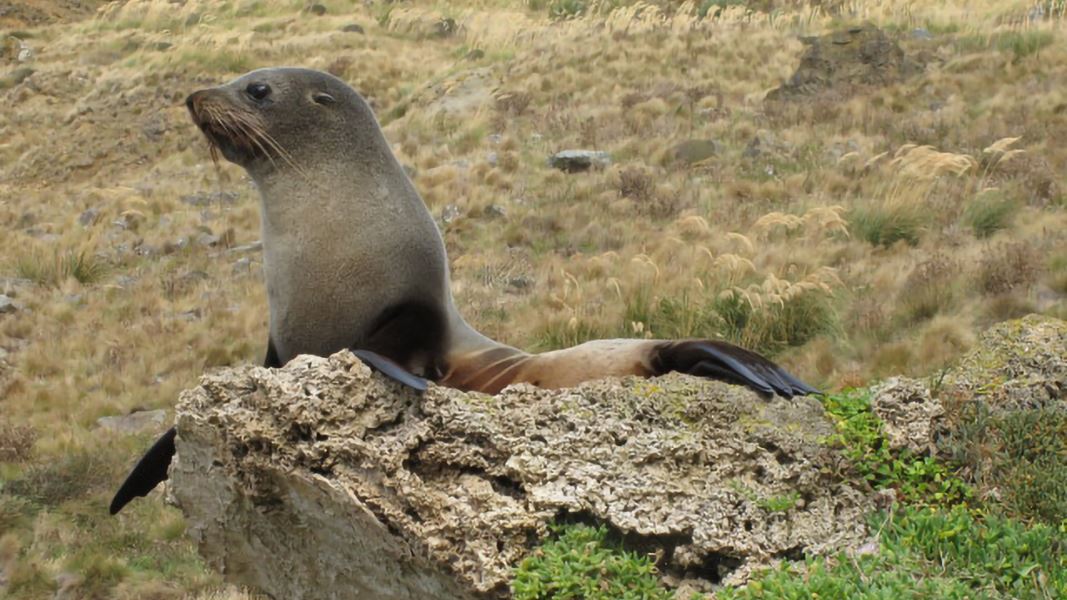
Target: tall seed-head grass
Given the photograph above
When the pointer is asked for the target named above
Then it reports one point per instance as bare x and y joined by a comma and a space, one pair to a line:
769, 322
909, 199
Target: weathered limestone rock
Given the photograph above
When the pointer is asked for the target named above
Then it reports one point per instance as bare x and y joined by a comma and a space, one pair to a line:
1016, 364
911, 416
323, 480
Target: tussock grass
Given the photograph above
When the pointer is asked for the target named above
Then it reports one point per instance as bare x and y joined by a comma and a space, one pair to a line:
931, 287
885, 225
989, 213
1007, 267
54, 268
1019, 43
68, 477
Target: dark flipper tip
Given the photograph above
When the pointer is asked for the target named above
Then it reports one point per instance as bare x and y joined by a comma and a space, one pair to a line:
732, 364
149, 472
392, 370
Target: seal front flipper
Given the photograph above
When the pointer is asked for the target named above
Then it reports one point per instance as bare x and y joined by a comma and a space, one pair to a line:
391, 370
150, 471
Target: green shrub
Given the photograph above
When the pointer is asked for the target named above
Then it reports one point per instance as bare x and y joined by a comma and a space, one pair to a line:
562, 9
1033, 467
1020, 454
582, 564
931, 553
917, 479
715, 7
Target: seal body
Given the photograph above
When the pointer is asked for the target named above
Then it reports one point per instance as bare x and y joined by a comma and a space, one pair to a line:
354, 260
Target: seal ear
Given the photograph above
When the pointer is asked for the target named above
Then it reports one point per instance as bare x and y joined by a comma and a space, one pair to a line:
323, 98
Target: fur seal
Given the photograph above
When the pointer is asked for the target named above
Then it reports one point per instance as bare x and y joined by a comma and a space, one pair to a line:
354, 260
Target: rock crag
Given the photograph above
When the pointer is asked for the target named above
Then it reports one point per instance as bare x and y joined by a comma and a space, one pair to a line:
323, 480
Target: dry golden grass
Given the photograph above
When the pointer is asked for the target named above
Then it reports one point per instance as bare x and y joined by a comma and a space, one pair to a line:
868, 236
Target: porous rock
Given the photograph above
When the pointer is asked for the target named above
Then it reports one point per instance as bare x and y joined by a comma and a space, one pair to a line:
1017, 364
910, 415
323, 480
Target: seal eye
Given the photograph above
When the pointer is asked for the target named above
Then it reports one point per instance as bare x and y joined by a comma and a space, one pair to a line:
258, 91
323, 98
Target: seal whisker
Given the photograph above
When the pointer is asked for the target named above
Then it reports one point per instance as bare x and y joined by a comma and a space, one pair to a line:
255, 130
252, 136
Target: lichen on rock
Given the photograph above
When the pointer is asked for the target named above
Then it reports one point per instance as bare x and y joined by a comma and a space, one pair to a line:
1018, 364
323, 480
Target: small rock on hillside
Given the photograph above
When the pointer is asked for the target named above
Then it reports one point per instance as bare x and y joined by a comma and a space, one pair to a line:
576, 161
843, 60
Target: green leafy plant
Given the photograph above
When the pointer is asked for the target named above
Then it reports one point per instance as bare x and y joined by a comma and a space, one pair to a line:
581, 563
930, 553
1021, 454
918, 479
780, 503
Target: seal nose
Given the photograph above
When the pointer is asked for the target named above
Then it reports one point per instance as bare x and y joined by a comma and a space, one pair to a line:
191, 101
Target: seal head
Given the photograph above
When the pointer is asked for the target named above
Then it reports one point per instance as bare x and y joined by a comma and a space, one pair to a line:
272, 115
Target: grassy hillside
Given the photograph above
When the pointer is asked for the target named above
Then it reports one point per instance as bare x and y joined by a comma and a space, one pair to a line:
852, 233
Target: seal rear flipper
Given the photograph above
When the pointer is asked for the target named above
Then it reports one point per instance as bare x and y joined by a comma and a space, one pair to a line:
149, 472
729, 363
391, 370
494, 368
